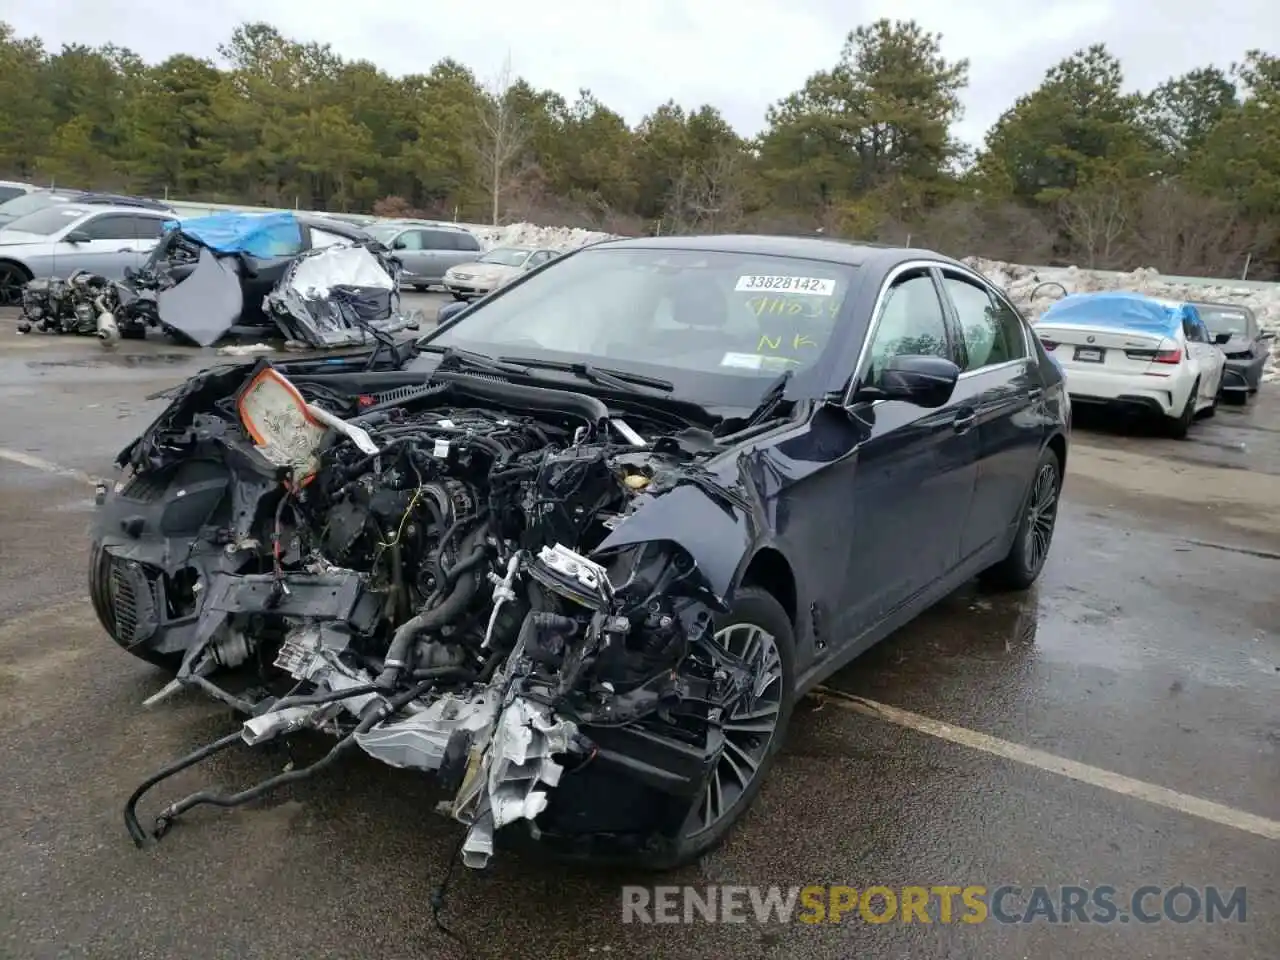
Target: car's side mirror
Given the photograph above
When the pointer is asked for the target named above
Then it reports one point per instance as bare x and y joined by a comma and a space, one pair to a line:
925, 381
1221, 338
77, 236
399, 243
1266, 336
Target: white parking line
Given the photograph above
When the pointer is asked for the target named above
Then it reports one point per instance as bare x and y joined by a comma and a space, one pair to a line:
1072, 769
46, 466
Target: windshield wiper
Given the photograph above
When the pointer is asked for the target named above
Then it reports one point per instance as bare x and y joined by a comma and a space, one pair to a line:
770, 401
610, 377
476, 361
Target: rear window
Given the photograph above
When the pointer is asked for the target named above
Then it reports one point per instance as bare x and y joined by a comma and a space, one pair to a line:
48, 221
8, 193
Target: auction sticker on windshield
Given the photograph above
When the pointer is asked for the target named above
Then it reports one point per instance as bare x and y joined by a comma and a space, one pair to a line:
812, 286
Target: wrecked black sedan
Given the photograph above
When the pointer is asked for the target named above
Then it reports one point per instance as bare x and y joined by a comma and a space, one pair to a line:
579, 554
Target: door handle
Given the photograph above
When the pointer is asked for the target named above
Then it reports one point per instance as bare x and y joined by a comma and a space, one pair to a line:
964, 422
1035, 393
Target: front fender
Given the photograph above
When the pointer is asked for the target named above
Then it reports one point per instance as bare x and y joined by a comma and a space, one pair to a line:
716, 533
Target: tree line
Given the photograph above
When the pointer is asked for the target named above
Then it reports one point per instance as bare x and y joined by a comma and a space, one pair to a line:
1185, 177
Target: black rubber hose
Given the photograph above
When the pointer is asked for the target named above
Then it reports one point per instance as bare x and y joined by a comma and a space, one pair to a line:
452, 605
374, 713
329, 696
131, 805
445, 673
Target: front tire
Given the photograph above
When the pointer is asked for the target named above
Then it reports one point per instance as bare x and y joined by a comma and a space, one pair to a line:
757, 628
1021, 566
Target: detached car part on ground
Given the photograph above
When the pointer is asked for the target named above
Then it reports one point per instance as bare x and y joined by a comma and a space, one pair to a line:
243, 275
586, 597
84, 304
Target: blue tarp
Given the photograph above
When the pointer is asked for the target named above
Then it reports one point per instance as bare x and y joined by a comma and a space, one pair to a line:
259, 235
1124, 311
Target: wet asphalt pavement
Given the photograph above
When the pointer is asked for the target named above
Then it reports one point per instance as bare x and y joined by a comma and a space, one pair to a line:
1149, 649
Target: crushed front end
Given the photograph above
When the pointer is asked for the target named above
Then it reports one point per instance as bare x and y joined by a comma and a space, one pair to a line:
413, 570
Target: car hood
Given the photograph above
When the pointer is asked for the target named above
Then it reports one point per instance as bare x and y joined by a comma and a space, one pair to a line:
487, 270
9, 238
1237, 344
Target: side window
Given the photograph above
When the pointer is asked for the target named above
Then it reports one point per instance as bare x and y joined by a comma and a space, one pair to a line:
323, 238
911, 322
539, 258
412, 240
992, 331
436, 240
148, 228
462, 240
110, 226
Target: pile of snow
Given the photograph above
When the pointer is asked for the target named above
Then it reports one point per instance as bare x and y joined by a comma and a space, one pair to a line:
531, 235
1034, 289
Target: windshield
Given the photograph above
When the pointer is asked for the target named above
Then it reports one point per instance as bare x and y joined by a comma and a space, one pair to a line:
720, 325
507, 257
28, 203
48, 221
1225, 319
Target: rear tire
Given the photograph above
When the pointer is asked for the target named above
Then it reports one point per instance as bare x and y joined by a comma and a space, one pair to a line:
13, 277
1179, 426
460, 296
1021, 566
753, 609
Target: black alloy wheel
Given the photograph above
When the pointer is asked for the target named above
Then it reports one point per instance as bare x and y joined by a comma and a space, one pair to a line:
1021, 566
749, 735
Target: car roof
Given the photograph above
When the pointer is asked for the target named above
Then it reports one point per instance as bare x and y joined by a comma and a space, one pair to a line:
850, 253
102, 207
343, 228
116, 199
433, 224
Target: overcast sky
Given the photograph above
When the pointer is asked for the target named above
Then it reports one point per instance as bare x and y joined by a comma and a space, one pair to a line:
740, 55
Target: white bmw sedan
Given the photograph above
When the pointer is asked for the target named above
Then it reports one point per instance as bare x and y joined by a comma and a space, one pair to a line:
1129, 351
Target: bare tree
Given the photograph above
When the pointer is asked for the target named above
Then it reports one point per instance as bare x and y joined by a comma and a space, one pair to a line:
1184, 233
706, 196
1095, 219
503, 134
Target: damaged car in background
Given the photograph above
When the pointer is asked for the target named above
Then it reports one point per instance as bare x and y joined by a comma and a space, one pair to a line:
312, 281
578, 555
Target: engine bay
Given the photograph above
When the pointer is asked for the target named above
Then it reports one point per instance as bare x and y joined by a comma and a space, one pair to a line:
424, 572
